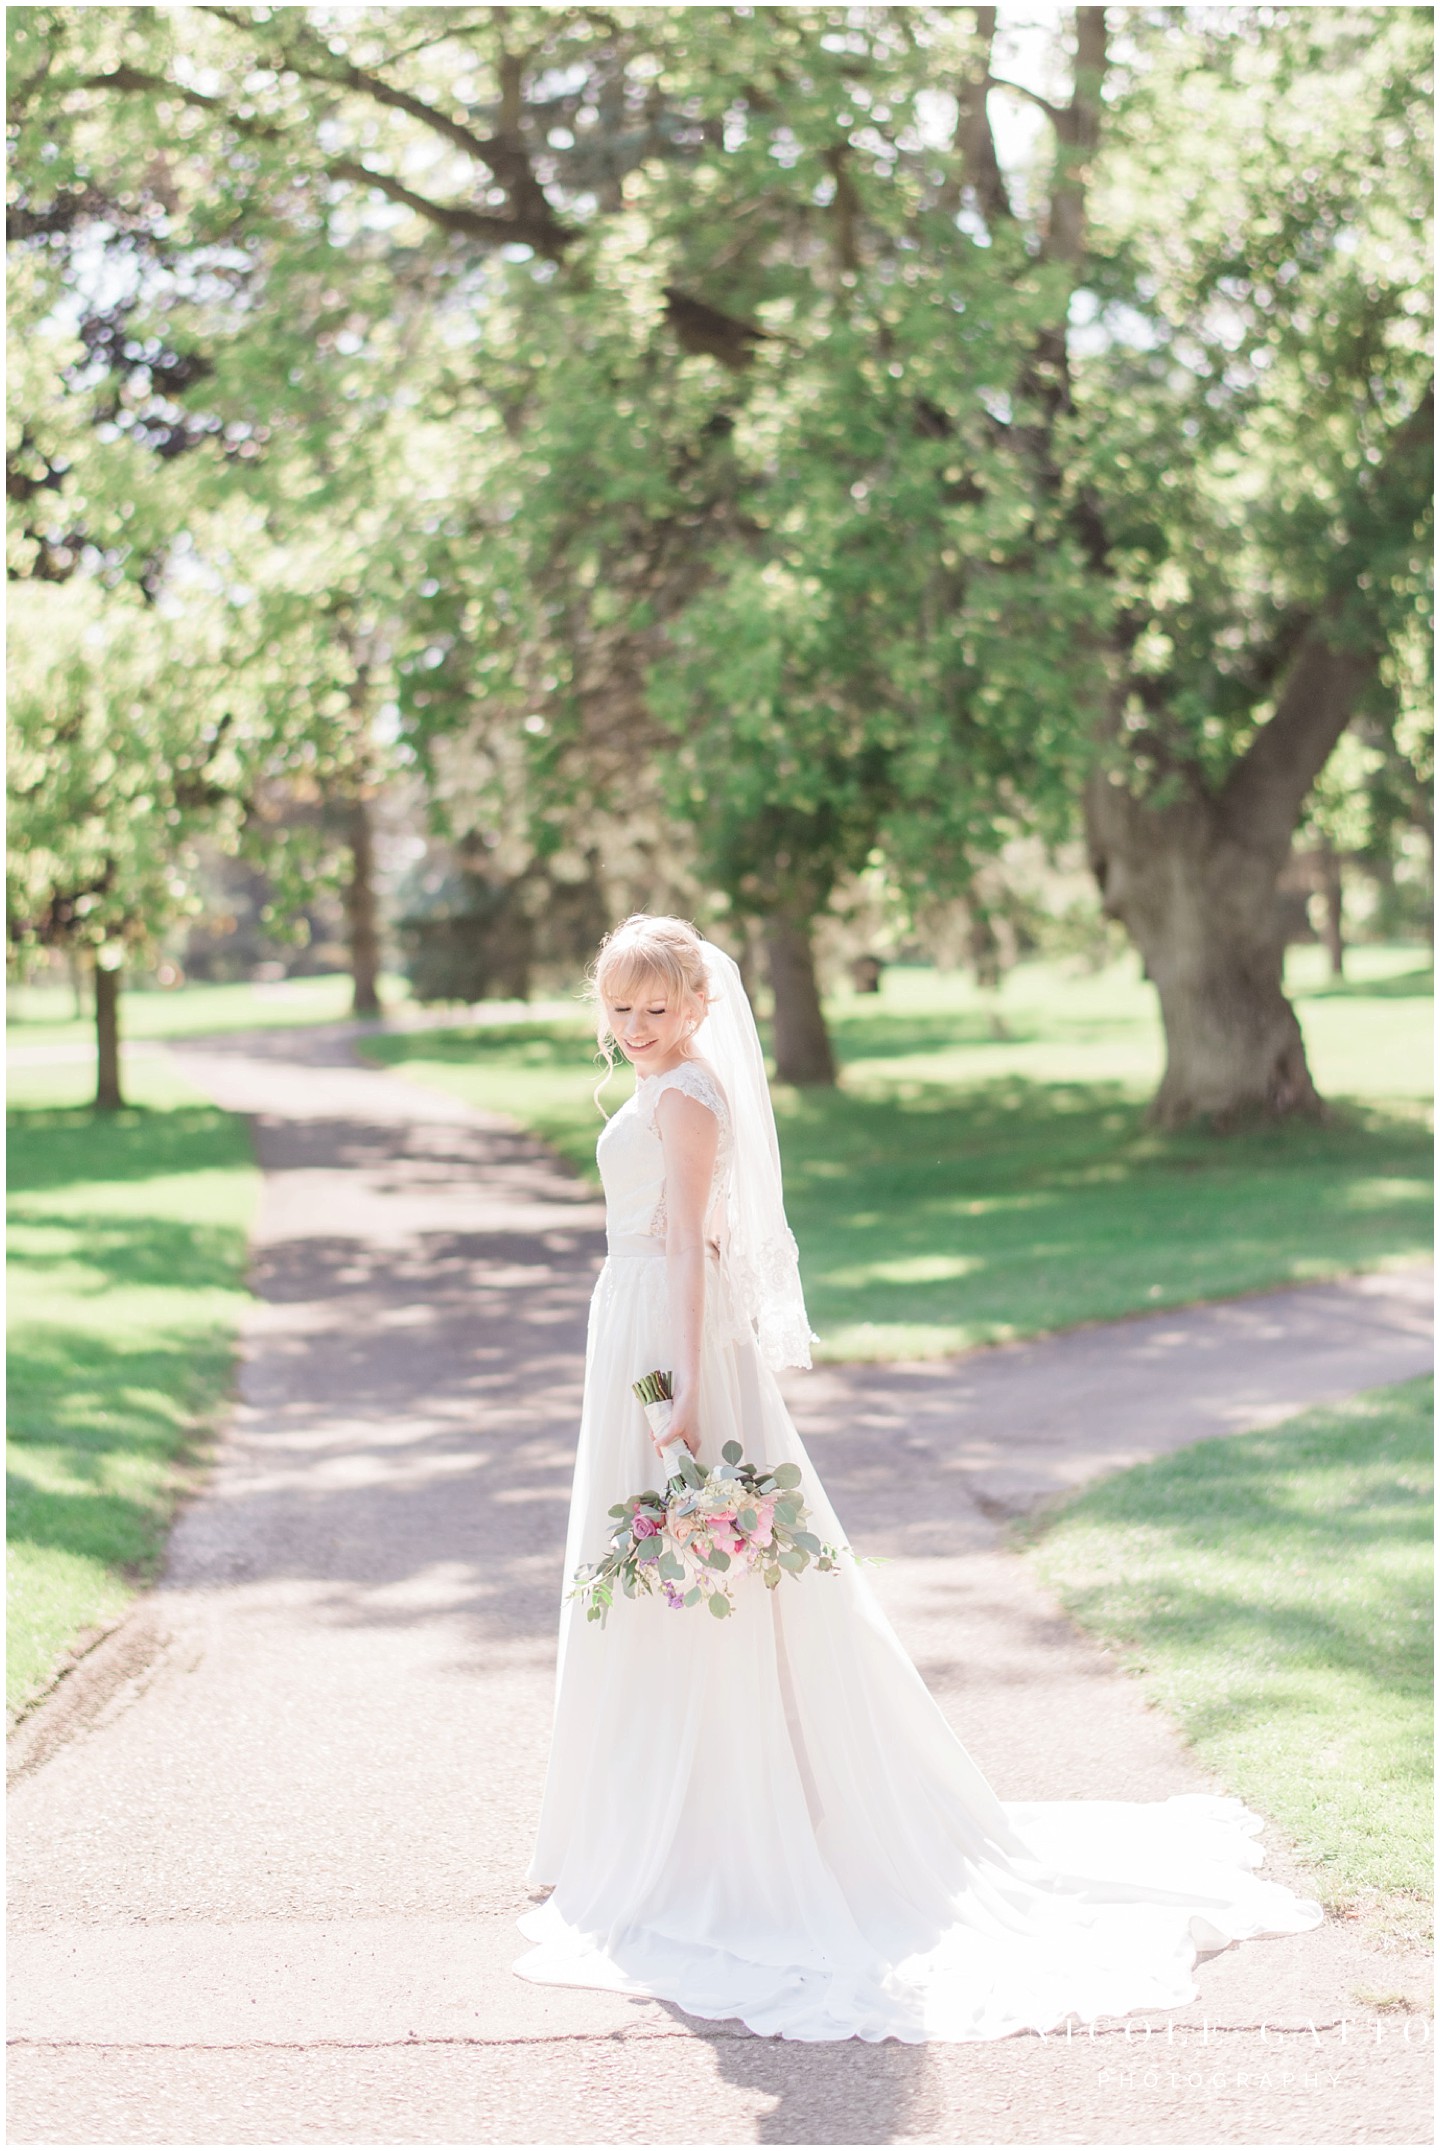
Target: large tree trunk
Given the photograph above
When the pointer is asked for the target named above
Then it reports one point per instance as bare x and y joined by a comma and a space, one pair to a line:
1195, 885
108, 1095
802, 1043
360, 911
1202, 909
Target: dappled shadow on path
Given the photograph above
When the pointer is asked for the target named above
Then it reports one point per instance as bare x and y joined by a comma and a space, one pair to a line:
411, 1408
411, 1387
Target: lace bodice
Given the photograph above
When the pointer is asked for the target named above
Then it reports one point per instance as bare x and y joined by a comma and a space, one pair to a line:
631, 1156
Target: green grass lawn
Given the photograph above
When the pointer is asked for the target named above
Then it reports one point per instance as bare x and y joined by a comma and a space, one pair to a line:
983, 1170
127, 1261
1273, 1591
43, 1015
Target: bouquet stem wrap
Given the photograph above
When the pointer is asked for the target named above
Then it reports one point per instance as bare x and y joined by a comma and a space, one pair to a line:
657, 1397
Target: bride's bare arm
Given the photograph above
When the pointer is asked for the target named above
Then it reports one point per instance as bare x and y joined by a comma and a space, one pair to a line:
690, 1135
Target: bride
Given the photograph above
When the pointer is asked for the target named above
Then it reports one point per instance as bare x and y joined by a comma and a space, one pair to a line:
767, 1817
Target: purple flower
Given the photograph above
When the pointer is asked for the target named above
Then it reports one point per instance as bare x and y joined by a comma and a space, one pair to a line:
673, 1598
645, 1527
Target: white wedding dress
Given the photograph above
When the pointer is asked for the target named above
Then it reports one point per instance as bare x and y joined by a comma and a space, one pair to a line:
767, 1817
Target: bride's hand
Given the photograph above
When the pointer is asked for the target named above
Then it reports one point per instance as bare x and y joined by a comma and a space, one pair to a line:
682, 1428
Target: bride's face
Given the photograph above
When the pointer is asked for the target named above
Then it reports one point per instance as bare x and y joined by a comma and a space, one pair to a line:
649, 1025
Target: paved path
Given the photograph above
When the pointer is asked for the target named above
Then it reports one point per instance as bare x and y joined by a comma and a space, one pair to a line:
267, 1841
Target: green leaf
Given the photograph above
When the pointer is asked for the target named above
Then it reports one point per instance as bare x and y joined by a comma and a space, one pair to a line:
692, 1596
719, 1605
793, 1559
787, 1475
747, 1520
732, 1452
718, 1558
808, 1540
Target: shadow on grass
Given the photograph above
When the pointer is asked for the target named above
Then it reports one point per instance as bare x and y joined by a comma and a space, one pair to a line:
74, 1388
1069, 1173
1418, 985
61, 1146
99, 1253
556, 1045
1010, 1204
888, 1035
105, 1417
1343, 1495
118, 1530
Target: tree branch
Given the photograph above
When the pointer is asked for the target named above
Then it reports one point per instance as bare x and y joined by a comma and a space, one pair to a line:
545, 235
1260, 800
999, 82
496, 229
1077, 132
846, 206
974, 141
503, 154
706, 332
137, 78
1262, 797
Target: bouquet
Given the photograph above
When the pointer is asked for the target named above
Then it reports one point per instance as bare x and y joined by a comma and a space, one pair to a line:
707, 1528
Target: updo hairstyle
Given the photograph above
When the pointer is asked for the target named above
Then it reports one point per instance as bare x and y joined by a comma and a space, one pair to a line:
644, 948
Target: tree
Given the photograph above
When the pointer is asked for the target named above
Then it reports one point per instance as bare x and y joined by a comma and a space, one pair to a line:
118, 758
1244, 447
768, 548
158, 445
795, 466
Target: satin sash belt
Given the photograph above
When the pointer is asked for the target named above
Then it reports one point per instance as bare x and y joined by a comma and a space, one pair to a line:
646, 1243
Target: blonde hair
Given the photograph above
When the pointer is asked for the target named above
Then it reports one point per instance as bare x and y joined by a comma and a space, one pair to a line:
645, 947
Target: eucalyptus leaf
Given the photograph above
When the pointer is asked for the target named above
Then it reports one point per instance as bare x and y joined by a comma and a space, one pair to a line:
719, 1605
732, 1452
787, 1475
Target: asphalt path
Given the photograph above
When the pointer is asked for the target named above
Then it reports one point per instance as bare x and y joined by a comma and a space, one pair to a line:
268, 1839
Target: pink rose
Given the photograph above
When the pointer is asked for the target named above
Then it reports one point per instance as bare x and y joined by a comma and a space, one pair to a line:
645, 1527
